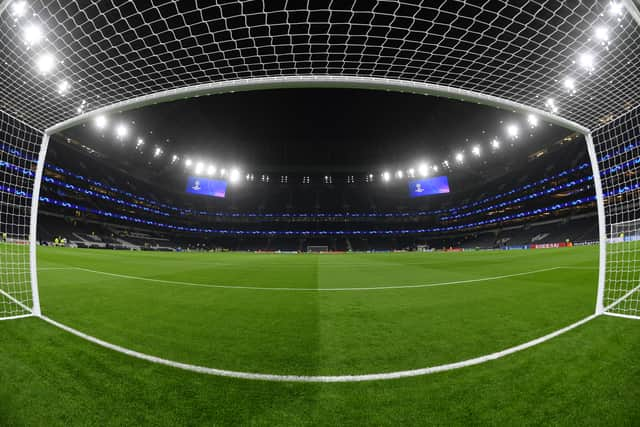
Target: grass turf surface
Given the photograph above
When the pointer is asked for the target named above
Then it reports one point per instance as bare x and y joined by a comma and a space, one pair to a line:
586, 376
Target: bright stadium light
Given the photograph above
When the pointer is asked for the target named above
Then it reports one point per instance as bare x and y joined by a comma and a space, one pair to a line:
223, 172
63, 87
423, 169
495, 144
615, 8
386, 176
399, 174
157, 152
460, 157
551, 105
435, 168
46, 63
139, 143
211, 170
32, 34
513, 131
101, 122
586, 60
602, 34
199, 168
82, 106
569, 83
234, 175
188, 163
475, 150
533, 120
121, 131
411, 172
18, 9
445, 164
174, 158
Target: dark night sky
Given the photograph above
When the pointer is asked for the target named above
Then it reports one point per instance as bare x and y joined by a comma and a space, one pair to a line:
297, 129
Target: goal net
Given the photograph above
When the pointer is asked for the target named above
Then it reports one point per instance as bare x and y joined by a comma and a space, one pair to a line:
618, 147
317, 248
573, 64
19, 145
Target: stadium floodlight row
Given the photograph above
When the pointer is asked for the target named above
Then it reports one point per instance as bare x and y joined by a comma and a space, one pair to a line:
454, 212
186, 212
573, 64
182, 211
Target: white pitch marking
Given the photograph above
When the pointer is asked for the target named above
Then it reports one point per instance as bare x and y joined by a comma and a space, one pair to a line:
324, 378
320, 378
624, 316
373, 288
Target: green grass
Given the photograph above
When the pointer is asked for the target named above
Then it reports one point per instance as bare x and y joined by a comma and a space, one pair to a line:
587, 376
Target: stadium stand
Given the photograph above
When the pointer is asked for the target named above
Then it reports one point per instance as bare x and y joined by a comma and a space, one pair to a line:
93, 204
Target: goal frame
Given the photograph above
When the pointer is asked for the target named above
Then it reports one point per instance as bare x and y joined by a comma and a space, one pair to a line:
311, 81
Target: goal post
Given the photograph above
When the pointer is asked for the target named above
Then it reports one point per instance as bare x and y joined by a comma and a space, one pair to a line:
317, 248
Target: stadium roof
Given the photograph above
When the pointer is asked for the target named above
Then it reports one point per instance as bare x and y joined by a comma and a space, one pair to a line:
523, 52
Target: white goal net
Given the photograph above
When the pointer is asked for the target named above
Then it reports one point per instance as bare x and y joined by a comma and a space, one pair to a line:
572, 63
618, 146
19, 145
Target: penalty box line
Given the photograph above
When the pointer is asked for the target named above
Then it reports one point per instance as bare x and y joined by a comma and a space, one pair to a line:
319, 378
258, 288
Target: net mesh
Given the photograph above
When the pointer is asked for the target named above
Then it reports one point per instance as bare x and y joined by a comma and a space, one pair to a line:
19, 145
520, 51
619, 160
529, 52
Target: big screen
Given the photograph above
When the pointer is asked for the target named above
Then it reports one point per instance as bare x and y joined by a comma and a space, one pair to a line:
206, 187
429, 186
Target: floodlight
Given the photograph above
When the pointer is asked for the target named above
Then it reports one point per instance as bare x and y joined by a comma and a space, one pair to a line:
551, 105
513, 131
188, 162
158, 152
399, 174
495, 144
46, 63
199, 168
423, 169
586, 61
533, 120
32, 34
445, 163
223, 172
174, 158
234, 175
602, 34
460, 157
411, 172
139, 143
63, 87
101, 122
18, 8
615, 8
569, 84
386, 176
435, 168
475, 150
121, 131
211, 170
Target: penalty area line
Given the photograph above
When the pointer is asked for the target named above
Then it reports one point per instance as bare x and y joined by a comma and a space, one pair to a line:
318, 378
258, 288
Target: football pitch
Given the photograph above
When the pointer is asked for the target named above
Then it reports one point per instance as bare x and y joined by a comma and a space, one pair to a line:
313, 315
